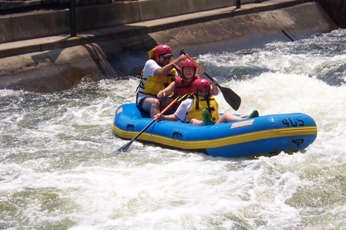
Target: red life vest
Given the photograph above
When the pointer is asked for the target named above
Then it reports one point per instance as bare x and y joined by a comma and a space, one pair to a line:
182, 86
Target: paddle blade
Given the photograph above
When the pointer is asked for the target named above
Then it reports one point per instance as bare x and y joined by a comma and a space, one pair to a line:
123, 148
231, 97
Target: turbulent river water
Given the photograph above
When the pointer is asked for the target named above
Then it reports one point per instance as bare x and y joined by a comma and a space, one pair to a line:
57, 170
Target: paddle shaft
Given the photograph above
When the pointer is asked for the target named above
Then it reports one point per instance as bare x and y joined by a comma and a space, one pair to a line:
200, 68
230, 96
125, 147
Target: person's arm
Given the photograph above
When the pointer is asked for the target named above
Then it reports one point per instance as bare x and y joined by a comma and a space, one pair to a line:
166, 91
213, 88
170, 117
163, 71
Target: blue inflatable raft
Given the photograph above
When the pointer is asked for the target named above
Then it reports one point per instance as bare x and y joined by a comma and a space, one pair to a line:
261, 135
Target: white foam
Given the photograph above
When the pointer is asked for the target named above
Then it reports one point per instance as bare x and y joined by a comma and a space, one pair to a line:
57, 169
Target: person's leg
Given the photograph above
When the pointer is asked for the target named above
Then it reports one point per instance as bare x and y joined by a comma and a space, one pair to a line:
228, 117
151, 105
196, 122
164, 103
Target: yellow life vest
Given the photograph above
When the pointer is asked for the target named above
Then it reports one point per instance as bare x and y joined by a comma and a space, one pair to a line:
154, 84
200, 103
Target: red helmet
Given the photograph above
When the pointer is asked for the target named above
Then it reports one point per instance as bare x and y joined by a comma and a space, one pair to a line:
188, 63
161, 49
200, 83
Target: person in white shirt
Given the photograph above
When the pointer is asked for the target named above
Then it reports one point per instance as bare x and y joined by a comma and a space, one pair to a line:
157, 74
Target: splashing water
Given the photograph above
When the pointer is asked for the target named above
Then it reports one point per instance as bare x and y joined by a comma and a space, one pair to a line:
57, 170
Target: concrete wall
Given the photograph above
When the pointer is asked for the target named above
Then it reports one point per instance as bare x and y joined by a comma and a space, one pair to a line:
336, 9
58, 69
37, 24
15, 6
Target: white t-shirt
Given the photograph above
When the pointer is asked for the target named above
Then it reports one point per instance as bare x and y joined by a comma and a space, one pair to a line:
149, 70
183, 108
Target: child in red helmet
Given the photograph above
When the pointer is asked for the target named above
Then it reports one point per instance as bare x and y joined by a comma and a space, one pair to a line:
183, 84
202, 108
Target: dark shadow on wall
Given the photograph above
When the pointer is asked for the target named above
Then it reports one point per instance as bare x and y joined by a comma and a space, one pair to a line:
101, 61
336, 9
115, 53
117, 57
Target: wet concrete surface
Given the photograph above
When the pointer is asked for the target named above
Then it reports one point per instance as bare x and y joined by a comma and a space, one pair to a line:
61, 62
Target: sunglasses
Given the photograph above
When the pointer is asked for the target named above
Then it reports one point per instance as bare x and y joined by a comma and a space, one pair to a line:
166, 58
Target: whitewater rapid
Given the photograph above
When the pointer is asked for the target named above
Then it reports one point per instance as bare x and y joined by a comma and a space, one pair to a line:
57, 170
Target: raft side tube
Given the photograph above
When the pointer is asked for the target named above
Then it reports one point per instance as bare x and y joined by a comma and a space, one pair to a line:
268, 133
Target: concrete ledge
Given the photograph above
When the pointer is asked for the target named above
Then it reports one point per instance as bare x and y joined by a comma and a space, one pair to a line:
122, 50
139, 28
48, 23
55, 70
